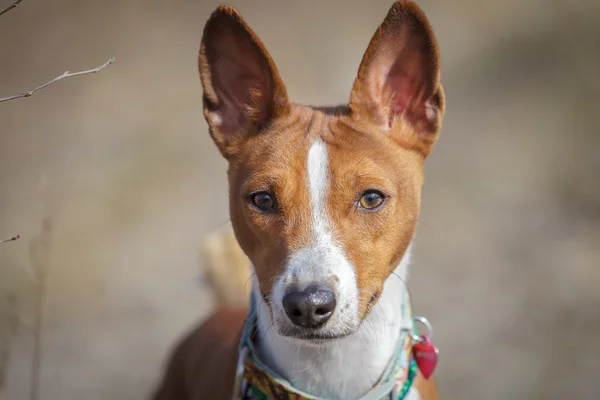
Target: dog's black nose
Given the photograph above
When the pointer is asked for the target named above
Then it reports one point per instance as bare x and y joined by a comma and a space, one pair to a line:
309, 308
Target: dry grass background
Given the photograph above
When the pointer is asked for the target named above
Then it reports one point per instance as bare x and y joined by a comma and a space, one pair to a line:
508, 253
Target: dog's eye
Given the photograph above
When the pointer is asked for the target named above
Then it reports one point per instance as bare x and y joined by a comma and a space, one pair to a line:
371, 200
263, 201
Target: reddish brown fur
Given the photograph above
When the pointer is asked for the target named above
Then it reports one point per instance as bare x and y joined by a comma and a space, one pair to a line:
202, 366
427, 388
379, 140
374, 242
263, 163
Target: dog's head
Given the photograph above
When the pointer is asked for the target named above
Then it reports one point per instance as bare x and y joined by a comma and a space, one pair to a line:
324, 201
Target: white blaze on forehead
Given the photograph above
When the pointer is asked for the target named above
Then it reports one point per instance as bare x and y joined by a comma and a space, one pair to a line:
318, 181
322, 261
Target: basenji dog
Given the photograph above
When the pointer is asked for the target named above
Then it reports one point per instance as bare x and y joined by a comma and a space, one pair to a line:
324, 202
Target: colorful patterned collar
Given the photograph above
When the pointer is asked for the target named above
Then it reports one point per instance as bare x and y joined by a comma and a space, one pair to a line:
256, 381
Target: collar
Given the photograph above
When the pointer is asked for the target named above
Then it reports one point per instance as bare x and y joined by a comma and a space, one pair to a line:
256, 381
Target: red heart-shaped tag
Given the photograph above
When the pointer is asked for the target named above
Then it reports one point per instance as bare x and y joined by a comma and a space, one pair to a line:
426, 356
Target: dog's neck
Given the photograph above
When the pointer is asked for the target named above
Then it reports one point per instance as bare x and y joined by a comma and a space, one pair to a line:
345, 368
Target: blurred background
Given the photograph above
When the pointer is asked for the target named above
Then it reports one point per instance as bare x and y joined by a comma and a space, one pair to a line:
113, 183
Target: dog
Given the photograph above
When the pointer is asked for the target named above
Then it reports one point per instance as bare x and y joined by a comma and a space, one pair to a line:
324, 203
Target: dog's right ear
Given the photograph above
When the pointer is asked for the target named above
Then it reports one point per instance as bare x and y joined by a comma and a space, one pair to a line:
242, 88
398, 80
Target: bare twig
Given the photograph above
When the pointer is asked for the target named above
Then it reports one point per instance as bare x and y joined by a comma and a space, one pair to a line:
39, 257
16, 237
64, 75
9, 330
13, 5
38, 328
39, 249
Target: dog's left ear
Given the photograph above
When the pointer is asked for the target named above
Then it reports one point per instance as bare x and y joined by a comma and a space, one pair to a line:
398, 80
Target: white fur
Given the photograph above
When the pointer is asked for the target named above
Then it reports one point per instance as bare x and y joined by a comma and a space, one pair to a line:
344, 368
322, 260
215, 119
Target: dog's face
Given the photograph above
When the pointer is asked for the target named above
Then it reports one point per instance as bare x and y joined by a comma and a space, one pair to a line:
323, 201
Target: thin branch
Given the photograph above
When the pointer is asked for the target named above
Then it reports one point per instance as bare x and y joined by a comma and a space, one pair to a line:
10, 239
12, 320
64, 75
13, 5
39, 255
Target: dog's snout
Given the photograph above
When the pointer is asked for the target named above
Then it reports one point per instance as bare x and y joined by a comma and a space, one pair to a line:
310, 308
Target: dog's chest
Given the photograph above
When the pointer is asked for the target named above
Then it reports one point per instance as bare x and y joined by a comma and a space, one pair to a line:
343, 370
348, 370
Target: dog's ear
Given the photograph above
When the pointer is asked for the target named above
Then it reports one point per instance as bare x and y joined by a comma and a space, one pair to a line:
398, 80
242, 88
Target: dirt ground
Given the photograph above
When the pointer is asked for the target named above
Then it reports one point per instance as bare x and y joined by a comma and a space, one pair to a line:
120, 166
